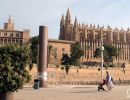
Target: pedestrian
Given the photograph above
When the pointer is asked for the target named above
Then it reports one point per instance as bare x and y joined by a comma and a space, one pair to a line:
100, 85
77, 71
109, 82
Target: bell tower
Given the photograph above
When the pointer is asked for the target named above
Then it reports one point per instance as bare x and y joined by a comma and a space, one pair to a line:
68, 17
9, 25
75, 30
62, 28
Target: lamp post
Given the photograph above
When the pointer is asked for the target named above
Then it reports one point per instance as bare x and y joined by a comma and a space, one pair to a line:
101, 48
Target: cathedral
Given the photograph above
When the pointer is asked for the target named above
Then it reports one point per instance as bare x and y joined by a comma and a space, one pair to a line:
91, 37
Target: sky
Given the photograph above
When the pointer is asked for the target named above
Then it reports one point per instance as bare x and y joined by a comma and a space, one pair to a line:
30, 14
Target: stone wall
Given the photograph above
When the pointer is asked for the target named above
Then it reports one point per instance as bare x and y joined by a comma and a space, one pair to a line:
89, 75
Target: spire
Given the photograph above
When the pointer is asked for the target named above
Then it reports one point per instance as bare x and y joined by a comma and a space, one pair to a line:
121, 29
68, 17
108, 27
75, 22
62, 17
128, 29
98, 26
90, 25
79, 25
83, 24
94, 26
62, 22
68, 13
9, 25
9, 20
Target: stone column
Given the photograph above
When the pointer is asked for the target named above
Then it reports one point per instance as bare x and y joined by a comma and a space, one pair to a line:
43, 41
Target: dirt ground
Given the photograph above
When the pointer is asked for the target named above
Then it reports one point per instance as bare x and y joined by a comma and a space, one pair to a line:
72, 92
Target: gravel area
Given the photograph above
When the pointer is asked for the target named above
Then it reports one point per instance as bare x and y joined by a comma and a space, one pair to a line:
73, 92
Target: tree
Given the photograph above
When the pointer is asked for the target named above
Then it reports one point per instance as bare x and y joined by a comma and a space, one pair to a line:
76, 53
74, 58
66, 61
13, 62
34, 48
110, 52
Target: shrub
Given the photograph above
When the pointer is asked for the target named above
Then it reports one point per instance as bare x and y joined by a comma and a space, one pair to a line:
13, 73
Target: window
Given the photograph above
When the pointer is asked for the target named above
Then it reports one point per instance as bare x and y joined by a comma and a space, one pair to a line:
17, 42
9, 41
1, 41
11, 34
13, 41
1, 33
5, 34
5, 42
21, 42
17, 34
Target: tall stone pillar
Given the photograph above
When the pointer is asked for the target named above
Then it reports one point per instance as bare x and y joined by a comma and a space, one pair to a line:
43, 41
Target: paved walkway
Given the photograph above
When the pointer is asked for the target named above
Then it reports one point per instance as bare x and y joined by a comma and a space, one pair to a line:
73, 93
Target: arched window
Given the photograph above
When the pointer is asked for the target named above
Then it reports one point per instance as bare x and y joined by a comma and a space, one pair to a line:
1, 42
9, 41
17, 42
5, 42
13, 41
21, 42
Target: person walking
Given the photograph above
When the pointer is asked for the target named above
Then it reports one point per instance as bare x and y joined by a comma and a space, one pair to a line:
109, 82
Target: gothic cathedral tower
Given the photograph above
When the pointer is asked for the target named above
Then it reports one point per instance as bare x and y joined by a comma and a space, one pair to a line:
66, 27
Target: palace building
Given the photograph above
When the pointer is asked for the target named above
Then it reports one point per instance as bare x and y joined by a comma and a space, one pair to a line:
58, 48
8, 35
91, 37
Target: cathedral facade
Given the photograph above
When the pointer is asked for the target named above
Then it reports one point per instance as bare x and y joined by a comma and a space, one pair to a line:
91, 37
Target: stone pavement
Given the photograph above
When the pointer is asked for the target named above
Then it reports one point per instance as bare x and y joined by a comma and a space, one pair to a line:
88, 92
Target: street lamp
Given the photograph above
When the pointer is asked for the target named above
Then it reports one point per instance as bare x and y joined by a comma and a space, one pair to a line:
101, 48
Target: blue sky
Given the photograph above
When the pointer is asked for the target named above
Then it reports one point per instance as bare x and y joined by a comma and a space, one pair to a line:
30, 14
